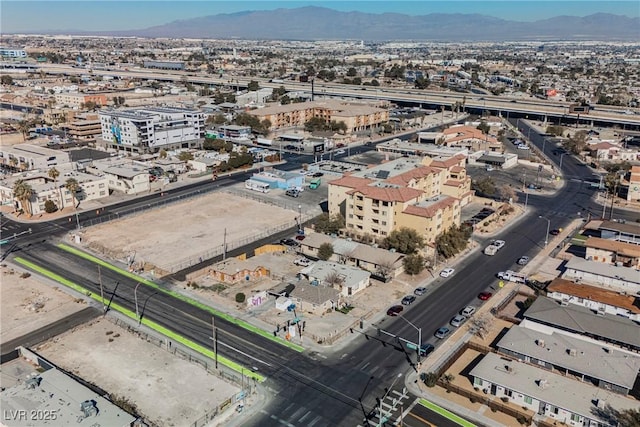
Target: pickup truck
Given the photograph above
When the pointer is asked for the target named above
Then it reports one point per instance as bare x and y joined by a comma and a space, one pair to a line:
491, 250
512, 276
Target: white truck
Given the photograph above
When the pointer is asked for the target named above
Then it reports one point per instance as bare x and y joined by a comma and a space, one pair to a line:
491, 250
512, 276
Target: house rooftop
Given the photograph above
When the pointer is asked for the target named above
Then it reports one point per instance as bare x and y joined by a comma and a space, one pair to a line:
572, 395
320, 270
627, 274
595, 360
313, 294
584, 321
594, 293
622, 248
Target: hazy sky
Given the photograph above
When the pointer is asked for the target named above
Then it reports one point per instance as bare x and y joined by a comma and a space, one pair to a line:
32, 16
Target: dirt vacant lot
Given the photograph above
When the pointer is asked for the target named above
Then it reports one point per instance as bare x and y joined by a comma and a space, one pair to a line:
166, 236
167, 390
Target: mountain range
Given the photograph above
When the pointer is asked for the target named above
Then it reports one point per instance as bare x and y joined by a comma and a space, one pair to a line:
319, 23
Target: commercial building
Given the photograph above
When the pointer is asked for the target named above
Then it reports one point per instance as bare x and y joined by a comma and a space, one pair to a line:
399, 147
632, 183
148, 130
47, 396
28, 157
84, 127
423, 194
7, 52
356, 117
164, 65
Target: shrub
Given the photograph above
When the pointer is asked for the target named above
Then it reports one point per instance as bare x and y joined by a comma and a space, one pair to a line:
325, 251
413, 264
429, 379
505, 399
25, 275
522, 419
50, 206
240, 297
472, 399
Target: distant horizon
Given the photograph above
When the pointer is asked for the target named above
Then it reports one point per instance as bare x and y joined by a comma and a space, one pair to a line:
26, 16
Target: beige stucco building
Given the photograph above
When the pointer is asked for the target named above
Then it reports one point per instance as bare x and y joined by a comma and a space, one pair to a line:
423, 194
357, 117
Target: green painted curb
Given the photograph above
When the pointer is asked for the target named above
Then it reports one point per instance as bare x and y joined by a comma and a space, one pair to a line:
153, 325
448, 415
177, 295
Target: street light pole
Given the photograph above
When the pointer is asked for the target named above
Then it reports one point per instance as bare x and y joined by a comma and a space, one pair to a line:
299, 217
546, 238
135, 295
419, 335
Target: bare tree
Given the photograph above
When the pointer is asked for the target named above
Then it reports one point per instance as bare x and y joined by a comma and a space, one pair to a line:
384, 268
334, 279
508, 193
481, 325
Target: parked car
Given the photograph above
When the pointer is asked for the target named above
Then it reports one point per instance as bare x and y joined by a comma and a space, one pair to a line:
420, 291
290, 147
317, 175
485, 295
468, 311
523, 260
292, 192
442, 333
395, 310
303, 262
458, 320
554, 232
289, 242
340, 151
499, 244
447, 272
408, 299
426, 349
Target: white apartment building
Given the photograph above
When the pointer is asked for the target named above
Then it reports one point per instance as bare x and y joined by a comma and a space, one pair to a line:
28, 156
148, 130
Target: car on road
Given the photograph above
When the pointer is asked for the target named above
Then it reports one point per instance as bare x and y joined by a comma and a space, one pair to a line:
289, 242
341, 151
458, 320
300, 237
447, 272
395, 310
468, 311
303, 262
420, 291
317, 175
554, 232
523, 260
408, 300
484, 295
290, 147
425, 349
442, 333
499, 244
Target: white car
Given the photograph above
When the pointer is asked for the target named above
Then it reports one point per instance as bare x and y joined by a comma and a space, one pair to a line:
303, 262
447, 272
468, 311
499, 244
340, 151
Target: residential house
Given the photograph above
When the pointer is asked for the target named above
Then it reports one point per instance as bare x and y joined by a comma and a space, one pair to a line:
612, 230
612, 252
234, 270
555, 396
346, 279
598, 299
315, 299
604, 366
624, 279
631, 181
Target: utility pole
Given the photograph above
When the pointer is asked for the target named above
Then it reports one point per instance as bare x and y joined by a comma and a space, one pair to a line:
215, 339
135, 296
224, 245
104, 307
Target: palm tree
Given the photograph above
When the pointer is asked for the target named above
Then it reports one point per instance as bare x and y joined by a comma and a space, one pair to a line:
54, 174
23, 127
72, 187
23, 192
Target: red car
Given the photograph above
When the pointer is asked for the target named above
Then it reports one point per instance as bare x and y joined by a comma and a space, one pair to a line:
485, 295
395, 310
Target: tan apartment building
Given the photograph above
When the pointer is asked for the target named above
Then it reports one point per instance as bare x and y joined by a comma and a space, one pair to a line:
78, 99
356, 117
84, 127
423, 194
632, 182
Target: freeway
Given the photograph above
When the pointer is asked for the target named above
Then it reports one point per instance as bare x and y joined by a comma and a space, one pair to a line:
340, 388
543, 108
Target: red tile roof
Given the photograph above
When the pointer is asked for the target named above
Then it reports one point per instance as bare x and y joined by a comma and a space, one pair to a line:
351, 181
417, 173
403, 194
594, 293
432, 210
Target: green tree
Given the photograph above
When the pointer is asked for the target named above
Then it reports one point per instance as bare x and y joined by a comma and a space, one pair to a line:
485, 186
413, 264
421, 83
163, 153
352, 72
484, 127
325, 251
6, 80
54, 174
23, 192
50, 206
24, 126
253, 86
405, 240
577, 143
330, 225
185, 156
72, 186
216, 119
555, 130
315, 124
